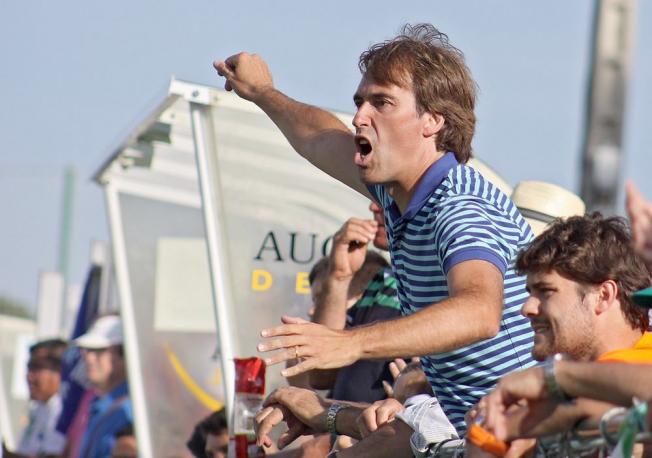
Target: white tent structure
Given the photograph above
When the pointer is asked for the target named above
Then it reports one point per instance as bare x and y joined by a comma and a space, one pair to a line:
167, 274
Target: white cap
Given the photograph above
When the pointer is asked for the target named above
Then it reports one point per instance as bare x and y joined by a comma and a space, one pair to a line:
540, 203
105, 332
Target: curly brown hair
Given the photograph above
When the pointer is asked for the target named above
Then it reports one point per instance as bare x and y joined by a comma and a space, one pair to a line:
589, 250
421, 58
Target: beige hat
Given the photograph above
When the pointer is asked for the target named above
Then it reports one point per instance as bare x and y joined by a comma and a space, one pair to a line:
490, 174
540, 203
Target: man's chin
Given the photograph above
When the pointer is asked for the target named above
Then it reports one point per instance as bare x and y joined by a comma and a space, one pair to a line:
542, 352
366, 177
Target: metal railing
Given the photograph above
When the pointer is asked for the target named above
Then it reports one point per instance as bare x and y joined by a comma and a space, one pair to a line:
587, 439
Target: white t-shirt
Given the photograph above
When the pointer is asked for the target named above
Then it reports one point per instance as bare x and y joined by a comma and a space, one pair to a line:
40, 435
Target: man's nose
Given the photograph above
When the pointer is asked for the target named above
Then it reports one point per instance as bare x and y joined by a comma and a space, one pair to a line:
530, 307
361, 117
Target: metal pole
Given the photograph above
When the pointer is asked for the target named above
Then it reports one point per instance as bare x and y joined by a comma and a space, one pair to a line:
613, 42
136, 384
209, 185
64, 237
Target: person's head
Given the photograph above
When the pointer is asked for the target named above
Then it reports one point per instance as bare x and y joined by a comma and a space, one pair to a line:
416, 98
581, 274
380, 239
103, 353
215, 432
44, 369
125, 445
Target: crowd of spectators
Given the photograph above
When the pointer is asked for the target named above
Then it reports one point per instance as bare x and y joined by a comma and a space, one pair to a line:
105, 422
478, 329
507, 326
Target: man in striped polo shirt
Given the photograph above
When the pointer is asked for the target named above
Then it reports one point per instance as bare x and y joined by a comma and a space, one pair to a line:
453, 235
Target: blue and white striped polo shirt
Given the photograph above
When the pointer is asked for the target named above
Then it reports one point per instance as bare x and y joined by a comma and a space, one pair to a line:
455, 215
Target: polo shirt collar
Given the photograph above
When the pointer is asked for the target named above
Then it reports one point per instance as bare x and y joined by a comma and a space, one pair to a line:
428, 182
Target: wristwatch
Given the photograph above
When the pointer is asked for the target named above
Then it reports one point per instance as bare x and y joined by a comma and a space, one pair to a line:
550, 379
331, 415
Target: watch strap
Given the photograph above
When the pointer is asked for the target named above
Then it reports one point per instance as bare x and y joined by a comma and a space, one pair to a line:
332, 415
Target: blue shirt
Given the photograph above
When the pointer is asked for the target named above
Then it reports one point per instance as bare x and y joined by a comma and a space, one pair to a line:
455, 215
107, 416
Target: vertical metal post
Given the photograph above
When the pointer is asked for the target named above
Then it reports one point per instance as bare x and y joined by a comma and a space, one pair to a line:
64, 236
136, 384
613, 42
213, 211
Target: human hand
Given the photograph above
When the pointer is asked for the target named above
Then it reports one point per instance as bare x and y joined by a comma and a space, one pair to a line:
395, 368
528, 385
409, 380
541, 418
303, 411
246, 74
317, 346
377, 414
640, 218
350, 247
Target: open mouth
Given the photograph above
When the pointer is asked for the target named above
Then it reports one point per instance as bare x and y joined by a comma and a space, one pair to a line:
364, 147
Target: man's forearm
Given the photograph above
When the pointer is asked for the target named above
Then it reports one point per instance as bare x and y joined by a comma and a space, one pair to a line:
330, 306
315, 134
545, 419
609, 382
445, 326
330, 310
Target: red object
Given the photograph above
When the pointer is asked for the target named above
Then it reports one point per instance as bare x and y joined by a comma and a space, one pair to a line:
250, 375
249, 391
483, 439
245, 447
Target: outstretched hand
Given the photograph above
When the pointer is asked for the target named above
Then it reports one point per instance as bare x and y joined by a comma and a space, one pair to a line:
246, 74
314, 345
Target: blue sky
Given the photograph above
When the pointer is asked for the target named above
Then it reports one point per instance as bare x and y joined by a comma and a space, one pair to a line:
76, 75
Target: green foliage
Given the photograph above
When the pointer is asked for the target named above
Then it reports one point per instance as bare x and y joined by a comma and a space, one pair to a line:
14, 307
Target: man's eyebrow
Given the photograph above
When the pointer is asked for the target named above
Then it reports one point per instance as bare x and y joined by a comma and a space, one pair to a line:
379, 94
537, 285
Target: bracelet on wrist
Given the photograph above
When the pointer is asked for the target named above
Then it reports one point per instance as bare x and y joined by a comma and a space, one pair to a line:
550, 378
331, 416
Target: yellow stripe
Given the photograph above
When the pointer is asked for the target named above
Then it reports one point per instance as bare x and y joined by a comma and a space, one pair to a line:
201, 395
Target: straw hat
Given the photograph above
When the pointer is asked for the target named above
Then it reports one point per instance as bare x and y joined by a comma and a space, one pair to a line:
490, 174
540, 203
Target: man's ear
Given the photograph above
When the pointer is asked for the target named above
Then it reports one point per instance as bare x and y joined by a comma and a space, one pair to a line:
433, 124
607, 296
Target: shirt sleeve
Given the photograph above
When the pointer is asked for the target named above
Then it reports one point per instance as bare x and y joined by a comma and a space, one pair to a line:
465, 232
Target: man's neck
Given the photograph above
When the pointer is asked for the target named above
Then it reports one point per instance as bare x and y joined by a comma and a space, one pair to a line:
616, 341
403, 190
